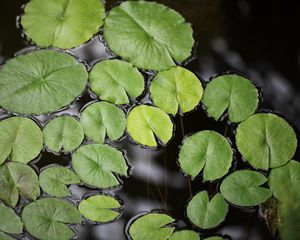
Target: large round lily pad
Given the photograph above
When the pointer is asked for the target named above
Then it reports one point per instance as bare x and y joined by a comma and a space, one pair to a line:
10, 222
148, 34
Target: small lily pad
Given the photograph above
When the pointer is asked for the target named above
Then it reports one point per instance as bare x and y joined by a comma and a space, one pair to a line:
185, 235
48, 218
53, 180
41, 81
100, 208
243, 188
102, 118
10, 222
148, 34
145, 123
206, 213
152, 226
97, 164
18, 179
21, 139
4, 236
62, 23
230, 92
115, 81
214, 238
207, 150
176, 88
266, 141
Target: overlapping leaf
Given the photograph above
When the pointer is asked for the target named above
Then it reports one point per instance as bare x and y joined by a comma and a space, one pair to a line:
10, 222
185, 235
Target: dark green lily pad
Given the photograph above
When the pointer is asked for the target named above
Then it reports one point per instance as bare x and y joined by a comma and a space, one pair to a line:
10, 222
185, 235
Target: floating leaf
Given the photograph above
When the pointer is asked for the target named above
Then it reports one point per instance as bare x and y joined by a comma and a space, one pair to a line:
151, 226
243, 188
100, 119
53, 180
63, 133
206, 213
10, 222
207, 150
41, 81
100, 208
148, 34
185, 235
176, 88
233, 93
62, 23
96, 165
214, 238
18, 179
47, 219
147, 122
266, 141
4, 236
21, 139
115, 81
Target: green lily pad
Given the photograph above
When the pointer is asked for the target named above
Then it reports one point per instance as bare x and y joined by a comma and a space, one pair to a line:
148, 34
18, 179
243, 188
41, 81
144, 123
151, 226
207, 150
4, 236
97, 164
10, 222
185, 235
214, 238
266, 141
176, 88
48, 218
100, 119
62, 23
53, 180
63, 133
115, 81
233, 93
206, 213
21, 139
100, 208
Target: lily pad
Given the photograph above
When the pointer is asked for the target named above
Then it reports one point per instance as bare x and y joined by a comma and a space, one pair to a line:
151, 226
100, 208
148, 34
97, 164
41, 81
176, 88
115, 81
214, 238
185, 235
100, 119
21, 139
62, 23
48, 218
4, 236
207, 150
10, 222
145, 123
206, 213
18, 179
63, 133
266, 141
53, 180
233, 93
243, 188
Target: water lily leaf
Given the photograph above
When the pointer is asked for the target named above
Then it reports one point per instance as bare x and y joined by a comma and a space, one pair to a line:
100, 208
62, 23
185, 235
21, 139
47, 218
176, 88
100, 119
41, 81
243, 188
4, 236
63, 133
10, 222
207, 150
53, 180
214, 238
147, 122
206, 213
115, 81
18, 179
148, 34
266, 141
96, 165
151, 226
233, 93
